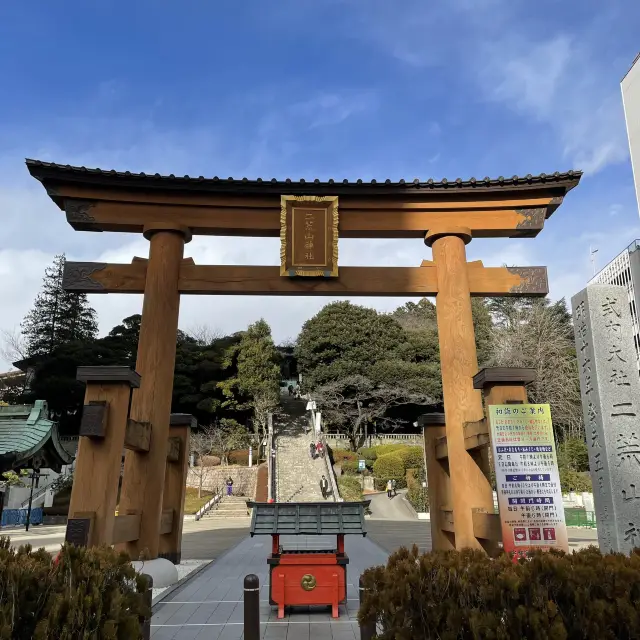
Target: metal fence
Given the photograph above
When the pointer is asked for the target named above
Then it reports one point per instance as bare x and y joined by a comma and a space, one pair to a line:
16, 517
580, 518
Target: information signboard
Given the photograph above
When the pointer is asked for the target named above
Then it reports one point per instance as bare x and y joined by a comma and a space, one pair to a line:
527, 478
362, 465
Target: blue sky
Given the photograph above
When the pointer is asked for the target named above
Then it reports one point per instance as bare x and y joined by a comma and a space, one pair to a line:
314, 88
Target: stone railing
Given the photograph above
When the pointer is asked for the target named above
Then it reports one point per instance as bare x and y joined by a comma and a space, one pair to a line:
341, 441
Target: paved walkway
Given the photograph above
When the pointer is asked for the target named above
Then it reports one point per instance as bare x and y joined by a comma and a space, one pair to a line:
210, 605
394, 508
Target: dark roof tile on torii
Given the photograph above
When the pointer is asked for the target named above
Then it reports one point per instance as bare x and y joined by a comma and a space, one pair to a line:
51, 172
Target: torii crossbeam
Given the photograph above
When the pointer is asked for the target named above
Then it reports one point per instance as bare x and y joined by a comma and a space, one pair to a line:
169, 209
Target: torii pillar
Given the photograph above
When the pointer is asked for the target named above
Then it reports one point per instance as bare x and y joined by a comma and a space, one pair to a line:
143, 480
470, 484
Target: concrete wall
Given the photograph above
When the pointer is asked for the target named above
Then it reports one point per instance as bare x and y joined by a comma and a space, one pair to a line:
631, 100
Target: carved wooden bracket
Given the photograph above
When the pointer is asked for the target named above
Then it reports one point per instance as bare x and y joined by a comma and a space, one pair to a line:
166, 522
137, 436
93, 423
173, 450
126, 528
476, 436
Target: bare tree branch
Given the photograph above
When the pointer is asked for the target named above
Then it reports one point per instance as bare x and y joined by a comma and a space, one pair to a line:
204, 334
352, 402
12, 345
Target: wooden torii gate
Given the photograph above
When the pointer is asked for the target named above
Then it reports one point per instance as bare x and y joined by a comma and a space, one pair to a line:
167, 210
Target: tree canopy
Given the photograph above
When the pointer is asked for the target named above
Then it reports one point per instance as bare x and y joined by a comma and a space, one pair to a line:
57, 316
256, 385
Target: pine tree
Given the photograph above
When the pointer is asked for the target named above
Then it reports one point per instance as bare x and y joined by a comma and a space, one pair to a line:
57, 316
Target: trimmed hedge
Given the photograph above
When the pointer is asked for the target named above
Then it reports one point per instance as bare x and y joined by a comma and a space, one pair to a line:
389, 467
413, 457
368, 453
466, 595
384, 449
211, 461
241, 457
417, 495
85, 594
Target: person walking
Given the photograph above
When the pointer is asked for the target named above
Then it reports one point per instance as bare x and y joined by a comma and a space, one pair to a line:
312, 450
229, 484
320, 448
389, 488
393, 487
324, 487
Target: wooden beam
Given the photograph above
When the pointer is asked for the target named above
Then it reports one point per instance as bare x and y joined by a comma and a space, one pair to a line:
476, 435
382, 218
166, 522
126, 528
486, 526
97, 277
137, 436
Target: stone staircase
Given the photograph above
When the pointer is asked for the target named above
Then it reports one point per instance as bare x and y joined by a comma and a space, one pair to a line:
229, 507
297, 475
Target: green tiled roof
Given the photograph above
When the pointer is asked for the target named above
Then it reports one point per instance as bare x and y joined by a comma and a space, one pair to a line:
26, 430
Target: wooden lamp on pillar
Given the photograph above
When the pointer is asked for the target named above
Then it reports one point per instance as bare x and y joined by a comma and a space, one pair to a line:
175, 484
103, 428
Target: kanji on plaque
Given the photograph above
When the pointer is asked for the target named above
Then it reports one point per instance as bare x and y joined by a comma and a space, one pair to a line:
527, 478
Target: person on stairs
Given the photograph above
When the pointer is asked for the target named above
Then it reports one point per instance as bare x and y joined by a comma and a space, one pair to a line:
324, 487
312, 450
320, 448
229, 484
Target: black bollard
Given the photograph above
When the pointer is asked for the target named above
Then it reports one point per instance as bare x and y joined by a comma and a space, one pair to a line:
367, 629
145, 623
251, 607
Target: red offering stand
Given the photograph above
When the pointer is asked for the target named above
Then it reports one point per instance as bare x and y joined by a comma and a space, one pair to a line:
308, 577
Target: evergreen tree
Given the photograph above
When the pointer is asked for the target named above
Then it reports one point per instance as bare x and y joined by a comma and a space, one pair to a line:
57, 316
257, 382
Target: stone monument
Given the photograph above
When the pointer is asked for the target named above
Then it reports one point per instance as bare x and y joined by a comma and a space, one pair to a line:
610, 390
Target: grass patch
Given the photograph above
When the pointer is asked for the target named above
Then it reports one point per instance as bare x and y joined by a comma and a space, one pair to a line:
191, 501
350, 488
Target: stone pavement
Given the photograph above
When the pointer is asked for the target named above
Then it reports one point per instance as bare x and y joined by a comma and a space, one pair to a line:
210, 605
297, 475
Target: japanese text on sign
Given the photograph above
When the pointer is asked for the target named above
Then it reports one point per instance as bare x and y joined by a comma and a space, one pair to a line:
527, 478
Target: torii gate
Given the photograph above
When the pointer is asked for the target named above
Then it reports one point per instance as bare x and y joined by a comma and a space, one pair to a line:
167, 210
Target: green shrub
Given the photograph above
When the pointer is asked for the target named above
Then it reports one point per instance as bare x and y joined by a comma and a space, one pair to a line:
467, 595
350, 488
389, 467
349, 467
417, 495
241, 457
574, 481
88, 594
384, 449
338, 455
369, 454
413, 457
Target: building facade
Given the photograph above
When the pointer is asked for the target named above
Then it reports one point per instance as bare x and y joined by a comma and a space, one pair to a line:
631, 101
624, 271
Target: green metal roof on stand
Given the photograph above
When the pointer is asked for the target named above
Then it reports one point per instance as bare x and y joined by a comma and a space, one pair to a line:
308, 518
